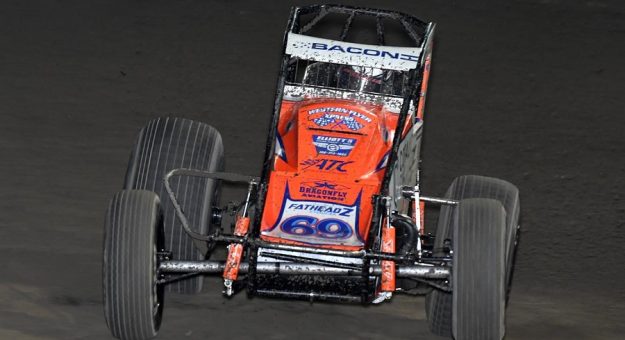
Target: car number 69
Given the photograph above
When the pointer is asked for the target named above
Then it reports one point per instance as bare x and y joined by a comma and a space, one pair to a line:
308, 225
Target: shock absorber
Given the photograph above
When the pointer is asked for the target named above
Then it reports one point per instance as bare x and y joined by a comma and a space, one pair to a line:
388, 246
235, 250
418, 211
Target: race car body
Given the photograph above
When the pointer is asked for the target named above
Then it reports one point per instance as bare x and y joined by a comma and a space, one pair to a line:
329, 160
336, 213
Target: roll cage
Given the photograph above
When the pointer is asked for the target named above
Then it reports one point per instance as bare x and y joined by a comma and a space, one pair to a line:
417, 36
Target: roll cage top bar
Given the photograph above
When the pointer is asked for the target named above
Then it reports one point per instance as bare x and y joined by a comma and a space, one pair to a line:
416, 29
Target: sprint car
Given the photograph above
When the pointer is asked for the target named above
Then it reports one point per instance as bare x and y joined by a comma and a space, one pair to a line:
336, 214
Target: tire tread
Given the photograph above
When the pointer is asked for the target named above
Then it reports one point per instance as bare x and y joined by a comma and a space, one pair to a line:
438, 303
479, 270
129, 240
165, 144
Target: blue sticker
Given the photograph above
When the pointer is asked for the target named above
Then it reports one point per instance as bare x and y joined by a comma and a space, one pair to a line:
333, 146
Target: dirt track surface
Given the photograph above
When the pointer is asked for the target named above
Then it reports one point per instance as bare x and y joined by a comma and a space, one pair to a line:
529, 91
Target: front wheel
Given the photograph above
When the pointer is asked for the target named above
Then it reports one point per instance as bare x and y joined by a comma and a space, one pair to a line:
133, 233
170, 143
438, 304
479, 270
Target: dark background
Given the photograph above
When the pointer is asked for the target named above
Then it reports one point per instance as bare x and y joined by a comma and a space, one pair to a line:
530, 91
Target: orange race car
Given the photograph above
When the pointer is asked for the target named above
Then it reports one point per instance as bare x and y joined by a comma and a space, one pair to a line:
337, 214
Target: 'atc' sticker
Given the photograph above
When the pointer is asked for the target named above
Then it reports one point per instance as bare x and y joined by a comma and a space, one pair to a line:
325, 164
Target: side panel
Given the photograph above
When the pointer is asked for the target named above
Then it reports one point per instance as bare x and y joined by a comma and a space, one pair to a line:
406, 167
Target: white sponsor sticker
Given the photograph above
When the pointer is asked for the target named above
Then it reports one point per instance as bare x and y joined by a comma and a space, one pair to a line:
317, 223
340, 52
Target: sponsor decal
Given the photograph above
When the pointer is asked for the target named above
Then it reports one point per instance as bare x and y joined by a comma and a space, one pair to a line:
372, 52
333, 146
333, 121
323, 190
317, 222
340, 52
338, 117
320, 208
342, 110
326, 164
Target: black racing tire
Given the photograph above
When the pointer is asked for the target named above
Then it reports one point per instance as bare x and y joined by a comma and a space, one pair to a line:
133, 233
438, 304
472, 186
438, 308
479, 273
165, 144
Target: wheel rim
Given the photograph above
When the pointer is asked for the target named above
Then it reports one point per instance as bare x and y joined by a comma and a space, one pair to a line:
157, 288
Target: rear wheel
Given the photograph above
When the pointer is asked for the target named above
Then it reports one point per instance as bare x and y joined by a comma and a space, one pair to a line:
438, 304
165, 144
133, 233
479, 275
